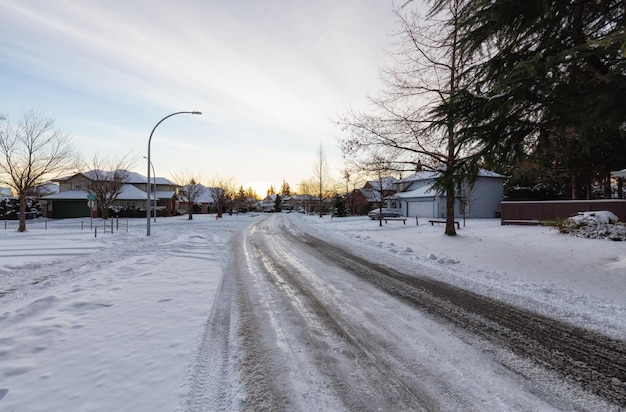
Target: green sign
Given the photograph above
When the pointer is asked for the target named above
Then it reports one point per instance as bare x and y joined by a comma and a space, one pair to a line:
91, 197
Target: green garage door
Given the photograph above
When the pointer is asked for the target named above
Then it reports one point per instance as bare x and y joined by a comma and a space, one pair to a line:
62, 209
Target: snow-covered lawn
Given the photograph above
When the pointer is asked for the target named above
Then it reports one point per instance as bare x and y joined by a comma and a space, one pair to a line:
114, 322
577, 279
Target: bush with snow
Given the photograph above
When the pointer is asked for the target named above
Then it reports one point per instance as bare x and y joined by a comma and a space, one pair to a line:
594, 225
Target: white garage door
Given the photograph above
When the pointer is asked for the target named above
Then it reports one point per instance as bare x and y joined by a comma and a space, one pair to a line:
424, 208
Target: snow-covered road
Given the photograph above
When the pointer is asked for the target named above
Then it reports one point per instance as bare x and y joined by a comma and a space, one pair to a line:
305, 325
289, 312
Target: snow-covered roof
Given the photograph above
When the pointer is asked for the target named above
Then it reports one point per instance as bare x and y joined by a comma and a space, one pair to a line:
206, 196
489, 173
165, 194
422, 175
388, 183
430, 175
128, 192
424, 191
371, 195
619, 173
67, 195
133, 177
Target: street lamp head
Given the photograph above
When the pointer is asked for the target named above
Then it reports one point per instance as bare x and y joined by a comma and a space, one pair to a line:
196, 112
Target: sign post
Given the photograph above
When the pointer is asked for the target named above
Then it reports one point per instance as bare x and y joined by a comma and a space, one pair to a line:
91, 202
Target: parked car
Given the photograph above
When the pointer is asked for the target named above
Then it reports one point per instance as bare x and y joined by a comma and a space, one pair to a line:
374, 214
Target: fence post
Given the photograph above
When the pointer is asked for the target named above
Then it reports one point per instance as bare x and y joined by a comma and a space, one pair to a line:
417, 221
82, 224
95, 232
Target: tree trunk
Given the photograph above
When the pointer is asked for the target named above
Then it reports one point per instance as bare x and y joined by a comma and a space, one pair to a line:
451, 135
450, 231
22, 226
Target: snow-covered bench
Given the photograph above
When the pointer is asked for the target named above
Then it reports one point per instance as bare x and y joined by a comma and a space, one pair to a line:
433, 221
403, 219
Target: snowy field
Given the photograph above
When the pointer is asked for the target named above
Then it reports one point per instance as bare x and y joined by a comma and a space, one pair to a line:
113, 322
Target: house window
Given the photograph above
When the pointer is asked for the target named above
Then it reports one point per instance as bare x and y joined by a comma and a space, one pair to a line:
79, 186
128, 204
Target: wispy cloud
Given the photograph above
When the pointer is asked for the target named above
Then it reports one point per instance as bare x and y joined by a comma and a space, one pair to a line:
282, 68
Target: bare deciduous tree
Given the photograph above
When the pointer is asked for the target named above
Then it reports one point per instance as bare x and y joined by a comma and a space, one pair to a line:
189, 191
307, 188
413, 121
321, 177
353, 177
32, 152
223, 191
107, 178
379, 167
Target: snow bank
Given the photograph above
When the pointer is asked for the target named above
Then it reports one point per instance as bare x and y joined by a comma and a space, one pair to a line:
595, 225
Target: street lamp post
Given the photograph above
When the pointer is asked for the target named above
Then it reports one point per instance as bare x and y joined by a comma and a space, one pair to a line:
154, 187
149, 163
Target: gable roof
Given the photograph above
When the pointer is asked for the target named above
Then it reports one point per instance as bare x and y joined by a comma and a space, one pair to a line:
128, 192
388, 183
133, 177
421, 175
206, 196
370, 195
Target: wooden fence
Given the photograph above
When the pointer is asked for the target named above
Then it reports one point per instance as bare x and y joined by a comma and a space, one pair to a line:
534, 212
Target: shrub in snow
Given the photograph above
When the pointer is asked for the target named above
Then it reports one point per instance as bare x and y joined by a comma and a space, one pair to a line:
594, 225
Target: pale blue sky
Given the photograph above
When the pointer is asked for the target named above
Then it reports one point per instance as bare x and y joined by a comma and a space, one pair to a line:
269, 76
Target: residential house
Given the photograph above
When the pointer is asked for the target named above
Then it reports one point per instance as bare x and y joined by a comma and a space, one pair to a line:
418, 198
163, 189
204, 202
297, 203
268, 204
369, 197
72, 197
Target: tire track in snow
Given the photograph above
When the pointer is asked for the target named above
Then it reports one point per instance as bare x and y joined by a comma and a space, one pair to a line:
594, 361
285, 336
